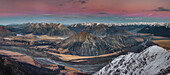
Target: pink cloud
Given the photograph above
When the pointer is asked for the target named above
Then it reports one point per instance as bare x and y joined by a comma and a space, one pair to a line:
113, 7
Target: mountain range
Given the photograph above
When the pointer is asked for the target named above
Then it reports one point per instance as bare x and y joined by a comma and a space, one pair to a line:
47, 29
99, 29
51, 29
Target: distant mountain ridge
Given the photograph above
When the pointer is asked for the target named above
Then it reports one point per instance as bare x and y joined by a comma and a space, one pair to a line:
51, 29
156, 30
127, 24
99, 29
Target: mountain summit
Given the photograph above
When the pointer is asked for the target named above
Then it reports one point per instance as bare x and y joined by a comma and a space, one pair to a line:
82, 37
84, 44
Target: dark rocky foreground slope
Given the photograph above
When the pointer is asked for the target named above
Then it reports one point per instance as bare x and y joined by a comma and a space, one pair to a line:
152, 61
11, 67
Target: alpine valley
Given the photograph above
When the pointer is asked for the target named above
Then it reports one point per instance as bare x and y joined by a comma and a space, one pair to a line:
85, 49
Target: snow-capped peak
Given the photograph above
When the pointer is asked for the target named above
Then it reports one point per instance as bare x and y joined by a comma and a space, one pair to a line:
167, 25
90, 24
151, 61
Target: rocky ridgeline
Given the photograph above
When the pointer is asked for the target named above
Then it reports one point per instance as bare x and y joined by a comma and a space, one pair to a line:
152, 61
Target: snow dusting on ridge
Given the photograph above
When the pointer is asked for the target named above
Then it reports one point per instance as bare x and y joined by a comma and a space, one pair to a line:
149, 62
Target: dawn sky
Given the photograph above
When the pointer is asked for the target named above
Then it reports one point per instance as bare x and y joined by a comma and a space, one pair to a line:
144, 8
